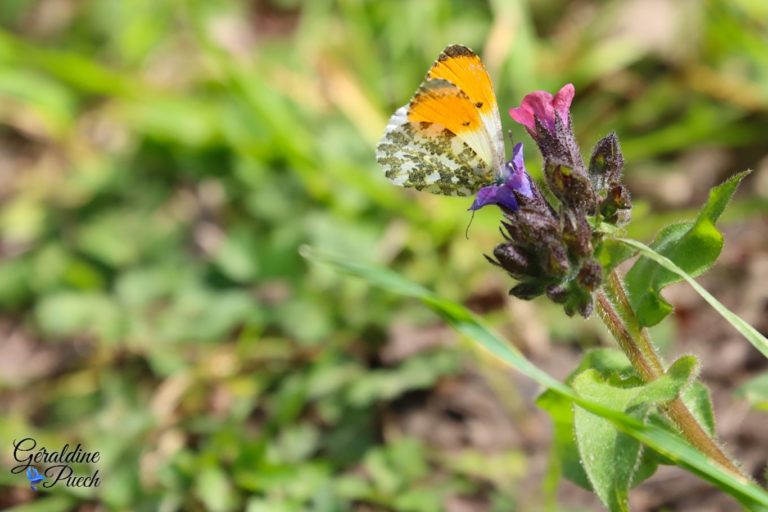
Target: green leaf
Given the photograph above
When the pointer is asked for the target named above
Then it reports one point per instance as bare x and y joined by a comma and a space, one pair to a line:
693, 246
418, 372
215, 490
657, 438
392, 468
613, 460
615, 368
53, 103
670, 385
565, 452
500, 468
67, 313
235, 257
697, 398
753, 336
609, 456
610, 253
609, 362
755, 391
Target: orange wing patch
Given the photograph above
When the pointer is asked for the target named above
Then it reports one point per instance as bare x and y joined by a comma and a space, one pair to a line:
448, 139
462, 67
441, 102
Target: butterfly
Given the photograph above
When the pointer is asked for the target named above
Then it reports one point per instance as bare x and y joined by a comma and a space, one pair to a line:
34, 477
448, 139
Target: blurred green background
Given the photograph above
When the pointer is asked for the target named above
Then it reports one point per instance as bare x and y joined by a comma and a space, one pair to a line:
162, 162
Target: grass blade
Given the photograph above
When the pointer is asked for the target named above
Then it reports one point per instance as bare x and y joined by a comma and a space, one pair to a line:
467, 323
753, 336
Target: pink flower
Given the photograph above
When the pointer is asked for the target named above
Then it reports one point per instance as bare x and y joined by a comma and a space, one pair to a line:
543, 106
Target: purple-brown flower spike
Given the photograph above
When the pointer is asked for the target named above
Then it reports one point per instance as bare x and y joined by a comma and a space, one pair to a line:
550, 248
547, 119
513, 180
543, 106
605, 168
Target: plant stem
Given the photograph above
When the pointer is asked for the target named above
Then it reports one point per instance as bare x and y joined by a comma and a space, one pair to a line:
617, 295
617, 314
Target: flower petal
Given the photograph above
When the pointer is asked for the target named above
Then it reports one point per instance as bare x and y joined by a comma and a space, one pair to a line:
562, 102
518, 179
495, 194
543, 106
536, 104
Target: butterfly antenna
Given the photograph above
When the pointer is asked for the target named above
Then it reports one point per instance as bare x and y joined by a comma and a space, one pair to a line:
466, 232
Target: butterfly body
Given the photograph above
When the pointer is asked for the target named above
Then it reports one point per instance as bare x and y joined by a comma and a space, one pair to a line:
447, 140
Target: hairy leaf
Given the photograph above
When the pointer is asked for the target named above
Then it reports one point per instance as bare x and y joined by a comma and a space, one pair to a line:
610, 253
660, 439
610, 457
693, 246
753, 336
566, 453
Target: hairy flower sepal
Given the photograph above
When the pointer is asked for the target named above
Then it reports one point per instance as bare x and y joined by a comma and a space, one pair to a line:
548, 253
547, 119
533, 251
606, 163
570, 184
536, 251
605, 168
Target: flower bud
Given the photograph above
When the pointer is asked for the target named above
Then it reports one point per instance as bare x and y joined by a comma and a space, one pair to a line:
606, 163
554, 257
550, 249
557, 293
576, 233
513, 260
590, 275
579, 301
586, 307
605, 168
564, 168
528, 290
617, 205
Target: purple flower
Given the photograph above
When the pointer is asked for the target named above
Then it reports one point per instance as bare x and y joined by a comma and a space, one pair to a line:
547, 119
514, 179
543, 106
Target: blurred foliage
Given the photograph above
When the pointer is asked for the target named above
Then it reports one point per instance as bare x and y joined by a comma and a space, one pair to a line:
161, 162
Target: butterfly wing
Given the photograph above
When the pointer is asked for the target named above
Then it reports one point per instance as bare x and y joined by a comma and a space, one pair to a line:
446, 140
463, 68
419, 152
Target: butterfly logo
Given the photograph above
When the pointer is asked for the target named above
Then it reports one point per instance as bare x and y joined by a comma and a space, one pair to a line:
34, 477
448, 139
